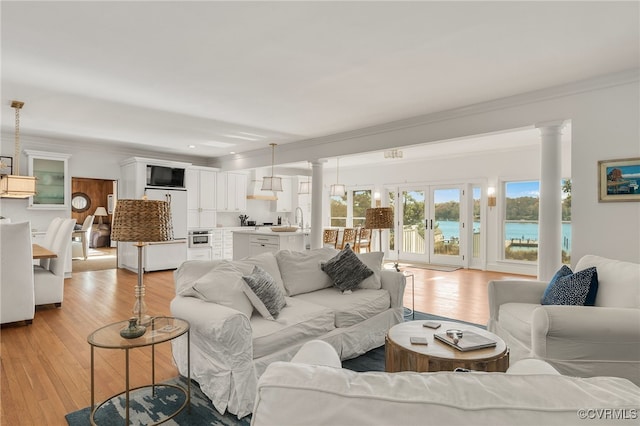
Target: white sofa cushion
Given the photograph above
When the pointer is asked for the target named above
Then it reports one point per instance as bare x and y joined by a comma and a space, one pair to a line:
290, 393
301, 271
298, 322
187, 274
373, 260
224, 285
618, 281
350, 309
266, 261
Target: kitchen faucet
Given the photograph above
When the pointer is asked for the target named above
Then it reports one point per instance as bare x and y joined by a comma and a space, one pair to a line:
301, 217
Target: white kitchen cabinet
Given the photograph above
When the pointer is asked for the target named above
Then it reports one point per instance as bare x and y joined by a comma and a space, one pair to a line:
231, 194
133, 185
199, 253
284, 203
201, 190
222, 243
53, 184
164, 255
251, 243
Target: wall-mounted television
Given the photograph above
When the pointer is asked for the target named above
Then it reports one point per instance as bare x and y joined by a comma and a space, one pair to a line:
165, 176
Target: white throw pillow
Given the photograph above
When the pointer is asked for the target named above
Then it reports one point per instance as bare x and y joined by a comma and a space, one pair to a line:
190, 271
301, 271
224, 285
373, 261
266, 261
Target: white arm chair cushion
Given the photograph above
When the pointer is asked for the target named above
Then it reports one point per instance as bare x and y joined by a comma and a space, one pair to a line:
49, 283
16, 276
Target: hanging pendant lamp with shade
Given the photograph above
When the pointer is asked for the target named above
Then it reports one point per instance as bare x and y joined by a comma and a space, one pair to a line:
272, 183
14, 185
337, 189
305, 187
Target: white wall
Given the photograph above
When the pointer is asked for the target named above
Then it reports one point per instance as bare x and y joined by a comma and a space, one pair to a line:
605, 125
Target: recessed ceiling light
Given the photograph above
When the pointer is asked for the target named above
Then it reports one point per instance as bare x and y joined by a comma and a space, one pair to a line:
217, 144
246, 138
191, 146
232, 152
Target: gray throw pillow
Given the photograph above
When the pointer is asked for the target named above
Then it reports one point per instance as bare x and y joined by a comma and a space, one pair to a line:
346, 270
264, 293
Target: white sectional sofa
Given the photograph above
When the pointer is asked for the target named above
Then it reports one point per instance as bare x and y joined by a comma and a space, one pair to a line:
583, 341
231, 345
313, 390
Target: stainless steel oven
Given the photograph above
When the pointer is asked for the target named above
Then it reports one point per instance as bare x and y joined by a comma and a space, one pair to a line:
200, 238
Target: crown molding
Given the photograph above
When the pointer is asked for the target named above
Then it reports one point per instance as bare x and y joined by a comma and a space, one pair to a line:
294, 151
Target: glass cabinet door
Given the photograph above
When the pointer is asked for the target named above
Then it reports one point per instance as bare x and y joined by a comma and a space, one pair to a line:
53, 184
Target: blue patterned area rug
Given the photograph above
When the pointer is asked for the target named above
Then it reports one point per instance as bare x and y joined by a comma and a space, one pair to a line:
146, 409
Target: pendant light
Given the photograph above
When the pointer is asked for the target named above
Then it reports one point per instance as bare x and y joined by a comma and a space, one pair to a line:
337, 189
305, 187
14, 185
272, 183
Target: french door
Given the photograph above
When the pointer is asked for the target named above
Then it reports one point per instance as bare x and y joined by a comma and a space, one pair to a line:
430, 226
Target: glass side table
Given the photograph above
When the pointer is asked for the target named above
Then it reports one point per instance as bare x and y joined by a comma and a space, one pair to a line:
160, 330
411, 312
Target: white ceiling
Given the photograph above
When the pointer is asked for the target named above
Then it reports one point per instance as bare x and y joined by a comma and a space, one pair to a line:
234, 76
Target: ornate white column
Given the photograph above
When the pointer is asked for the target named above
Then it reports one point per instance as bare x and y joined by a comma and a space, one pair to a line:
316, 203
550, 213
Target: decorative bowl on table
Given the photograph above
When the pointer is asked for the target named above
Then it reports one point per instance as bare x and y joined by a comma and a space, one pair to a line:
284, 228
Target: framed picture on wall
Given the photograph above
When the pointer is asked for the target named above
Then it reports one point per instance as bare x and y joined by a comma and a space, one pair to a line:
6, 165
619, 180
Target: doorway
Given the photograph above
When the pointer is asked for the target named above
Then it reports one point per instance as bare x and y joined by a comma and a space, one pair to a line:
431, 224
94, 197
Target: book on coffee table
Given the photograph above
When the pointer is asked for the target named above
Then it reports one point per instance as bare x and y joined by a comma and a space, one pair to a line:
468, 342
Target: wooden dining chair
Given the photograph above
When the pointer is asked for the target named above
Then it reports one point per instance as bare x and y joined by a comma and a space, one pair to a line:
330, 237
363, 241
348, 237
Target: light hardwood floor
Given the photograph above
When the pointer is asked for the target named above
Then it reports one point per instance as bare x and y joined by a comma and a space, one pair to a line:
46, 366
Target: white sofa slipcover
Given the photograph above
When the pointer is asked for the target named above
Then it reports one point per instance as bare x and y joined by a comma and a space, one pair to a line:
311, 391
583, 341
229, 351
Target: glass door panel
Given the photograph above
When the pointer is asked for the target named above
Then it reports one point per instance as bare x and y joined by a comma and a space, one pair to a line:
445, 225
412, 231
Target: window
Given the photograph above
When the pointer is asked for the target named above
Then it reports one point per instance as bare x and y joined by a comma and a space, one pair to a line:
339, 211
360, 202
522, 201
350, 209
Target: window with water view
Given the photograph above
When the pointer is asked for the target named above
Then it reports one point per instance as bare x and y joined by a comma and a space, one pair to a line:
520, 228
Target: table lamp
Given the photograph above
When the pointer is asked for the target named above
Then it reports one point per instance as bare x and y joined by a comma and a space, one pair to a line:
100, 212
141, 221
379, 218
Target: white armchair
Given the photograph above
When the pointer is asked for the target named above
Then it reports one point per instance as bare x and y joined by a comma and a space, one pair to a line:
16, 276
49, 282
81, 238
583, 341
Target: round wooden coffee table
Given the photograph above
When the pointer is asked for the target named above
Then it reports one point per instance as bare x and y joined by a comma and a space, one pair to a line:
402, 355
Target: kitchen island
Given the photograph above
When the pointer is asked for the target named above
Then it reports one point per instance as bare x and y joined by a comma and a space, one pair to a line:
252, 242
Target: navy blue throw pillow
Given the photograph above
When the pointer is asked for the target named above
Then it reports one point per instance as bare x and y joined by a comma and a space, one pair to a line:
567, 288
